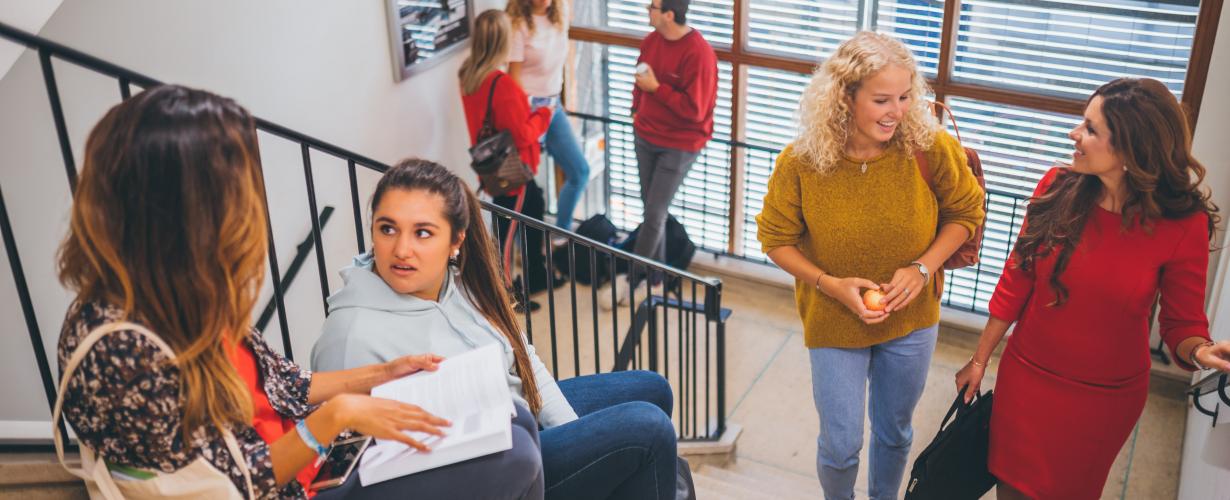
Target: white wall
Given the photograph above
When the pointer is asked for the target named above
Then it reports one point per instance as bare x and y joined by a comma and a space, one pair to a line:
320, 67
1205, 470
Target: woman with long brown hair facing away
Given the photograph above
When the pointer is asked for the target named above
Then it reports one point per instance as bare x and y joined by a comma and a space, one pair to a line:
432, 281
1102, 237
538, 54
482, 82
846, 210
165, 381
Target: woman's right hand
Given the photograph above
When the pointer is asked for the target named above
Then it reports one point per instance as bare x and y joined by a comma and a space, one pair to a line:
385, 418
848, 291
970, 378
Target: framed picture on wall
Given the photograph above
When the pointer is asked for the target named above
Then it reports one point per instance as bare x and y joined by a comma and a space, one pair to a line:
424, 32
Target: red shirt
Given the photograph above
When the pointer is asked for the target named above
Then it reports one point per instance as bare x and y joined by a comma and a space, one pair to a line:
511, 108
679, 114
269, 424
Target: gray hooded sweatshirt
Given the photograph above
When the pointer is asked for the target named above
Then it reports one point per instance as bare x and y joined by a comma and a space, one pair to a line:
370, 323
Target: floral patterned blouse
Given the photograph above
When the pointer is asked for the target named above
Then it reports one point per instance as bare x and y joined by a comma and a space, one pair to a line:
123, 402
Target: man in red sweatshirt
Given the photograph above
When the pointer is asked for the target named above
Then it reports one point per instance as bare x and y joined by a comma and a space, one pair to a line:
672, 114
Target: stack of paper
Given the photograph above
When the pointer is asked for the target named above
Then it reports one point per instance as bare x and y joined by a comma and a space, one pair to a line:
471, 391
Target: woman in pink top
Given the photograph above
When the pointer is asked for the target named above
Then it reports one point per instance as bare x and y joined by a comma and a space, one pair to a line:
536, 60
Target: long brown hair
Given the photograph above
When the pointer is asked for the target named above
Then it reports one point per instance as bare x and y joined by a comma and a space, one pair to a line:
478, 263
488, 49
1149, 129
168, 221
521, 12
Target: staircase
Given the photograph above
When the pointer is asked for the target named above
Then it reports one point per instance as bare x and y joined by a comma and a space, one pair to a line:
749, 480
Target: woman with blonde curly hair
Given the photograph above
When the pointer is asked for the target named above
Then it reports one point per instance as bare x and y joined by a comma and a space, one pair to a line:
847, 209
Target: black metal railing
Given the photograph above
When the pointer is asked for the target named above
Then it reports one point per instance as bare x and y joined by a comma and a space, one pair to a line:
678, 331
967, 289
1216, 382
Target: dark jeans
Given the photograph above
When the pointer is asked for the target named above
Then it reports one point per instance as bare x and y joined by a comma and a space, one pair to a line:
623, 446
513, 474
534, 206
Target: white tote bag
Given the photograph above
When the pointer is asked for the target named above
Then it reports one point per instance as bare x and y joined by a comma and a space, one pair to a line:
199, 479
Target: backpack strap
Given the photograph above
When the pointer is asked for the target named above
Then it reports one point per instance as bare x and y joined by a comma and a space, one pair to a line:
487, 123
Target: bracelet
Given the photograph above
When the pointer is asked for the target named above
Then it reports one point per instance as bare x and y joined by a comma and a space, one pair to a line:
976, 363
306, 435
1191, 355
817, 282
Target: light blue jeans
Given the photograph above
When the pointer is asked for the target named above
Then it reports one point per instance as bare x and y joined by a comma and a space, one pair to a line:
561, 143
897, 370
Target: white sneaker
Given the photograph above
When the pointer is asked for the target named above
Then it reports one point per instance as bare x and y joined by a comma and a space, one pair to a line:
621, 293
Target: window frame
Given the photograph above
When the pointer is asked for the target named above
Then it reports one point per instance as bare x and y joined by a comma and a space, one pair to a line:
740, 57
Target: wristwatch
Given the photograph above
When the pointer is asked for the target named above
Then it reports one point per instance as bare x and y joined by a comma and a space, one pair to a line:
922, 268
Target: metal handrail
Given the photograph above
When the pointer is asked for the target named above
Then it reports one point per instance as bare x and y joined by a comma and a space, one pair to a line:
712, 313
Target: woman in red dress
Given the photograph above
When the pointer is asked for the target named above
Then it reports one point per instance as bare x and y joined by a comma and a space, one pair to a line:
1101, 239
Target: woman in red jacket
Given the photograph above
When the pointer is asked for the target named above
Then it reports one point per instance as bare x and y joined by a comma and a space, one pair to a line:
1102, 237
510, 110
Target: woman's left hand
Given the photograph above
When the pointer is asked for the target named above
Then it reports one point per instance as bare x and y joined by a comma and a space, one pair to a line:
907, 283
1216, 356
414, 363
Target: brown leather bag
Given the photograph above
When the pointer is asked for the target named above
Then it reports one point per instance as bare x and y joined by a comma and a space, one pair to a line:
495, 158
967, 255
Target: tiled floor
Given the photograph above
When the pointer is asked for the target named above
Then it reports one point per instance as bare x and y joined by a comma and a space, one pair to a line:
769, 389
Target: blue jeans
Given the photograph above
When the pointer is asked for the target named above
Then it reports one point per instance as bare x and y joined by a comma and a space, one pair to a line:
562, 145
513, 474
623, 445
897, 370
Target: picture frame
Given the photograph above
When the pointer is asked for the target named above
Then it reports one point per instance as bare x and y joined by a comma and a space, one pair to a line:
424, 32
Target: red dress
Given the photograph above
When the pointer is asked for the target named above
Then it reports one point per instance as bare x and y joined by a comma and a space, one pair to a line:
1073, 379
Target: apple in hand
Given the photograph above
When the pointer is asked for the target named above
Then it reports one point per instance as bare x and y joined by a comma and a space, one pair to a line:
872, 298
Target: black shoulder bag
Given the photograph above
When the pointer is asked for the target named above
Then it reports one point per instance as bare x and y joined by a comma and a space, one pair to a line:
954, 465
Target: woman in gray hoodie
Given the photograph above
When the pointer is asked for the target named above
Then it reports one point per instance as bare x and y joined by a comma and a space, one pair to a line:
432, 284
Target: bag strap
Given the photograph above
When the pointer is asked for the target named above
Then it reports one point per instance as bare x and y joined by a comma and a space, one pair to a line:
103, 478
487, 121
958, 405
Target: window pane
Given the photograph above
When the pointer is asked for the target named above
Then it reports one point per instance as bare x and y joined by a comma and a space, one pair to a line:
714, 18
1068, 49
771, 122
810, 29
918, 23
1017, 146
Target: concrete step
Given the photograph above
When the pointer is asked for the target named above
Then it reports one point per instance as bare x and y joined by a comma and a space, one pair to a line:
798, 481
724, 486
778, 484
708, 488
37, 476
720, 452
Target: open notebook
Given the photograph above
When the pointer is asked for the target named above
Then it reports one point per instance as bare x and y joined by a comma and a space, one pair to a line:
471, 391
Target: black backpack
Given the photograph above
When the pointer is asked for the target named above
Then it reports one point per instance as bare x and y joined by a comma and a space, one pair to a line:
597, 228
679, 247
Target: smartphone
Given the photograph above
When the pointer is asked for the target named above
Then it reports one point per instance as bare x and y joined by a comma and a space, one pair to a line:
541, 102
340, 462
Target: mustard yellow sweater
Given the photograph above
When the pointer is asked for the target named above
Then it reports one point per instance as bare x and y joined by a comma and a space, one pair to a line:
866, 225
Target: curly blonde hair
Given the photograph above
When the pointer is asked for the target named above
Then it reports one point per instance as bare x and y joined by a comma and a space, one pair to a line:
824, 110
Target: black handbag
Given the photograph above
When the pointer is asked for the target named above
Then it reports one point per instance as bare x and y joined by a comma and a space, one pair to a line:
494, 156
954, 465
